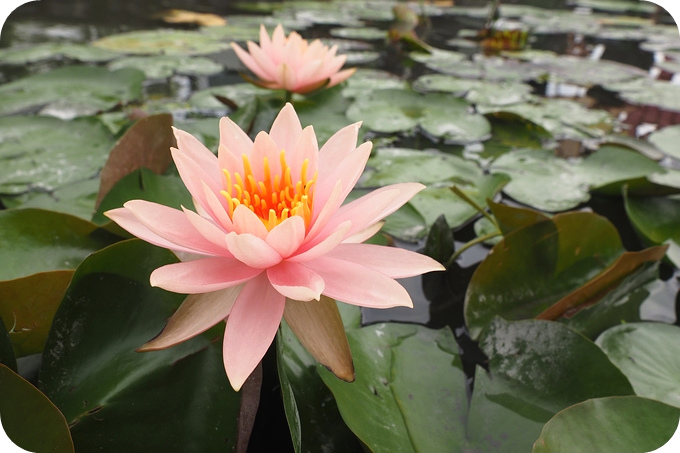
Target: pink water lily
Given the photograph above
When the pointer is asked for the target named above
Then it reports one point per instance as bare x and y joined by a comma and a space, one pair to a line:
271, 237
292, 63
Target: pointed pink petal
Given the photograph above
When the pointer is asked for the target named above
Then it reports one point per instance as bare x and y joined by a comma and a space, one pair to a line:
194, 177
296, 281
228, 160
287, 236
249, 61
267, 69
265, 42
320, 246
127, 220
309, 73
278, 38
172, 225
209, 230
337, 148
304, 148
246, 221
251, 327
265, 147
285, 76
198, 313
364, 234
216, 207
191, 147
341, 76
235, 140
321, 217
252, 251
359, 285
391, 261
202, 275
286, 129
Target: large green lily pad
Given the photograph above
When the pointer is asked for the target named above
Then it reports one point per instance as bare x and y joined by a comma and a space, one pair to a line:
475, 91
164, 66
71, 91
647, 353
21, 55
610, 425
116, 399
42, 154
444, 117
657, 219
550, 183
166, 42
666, 139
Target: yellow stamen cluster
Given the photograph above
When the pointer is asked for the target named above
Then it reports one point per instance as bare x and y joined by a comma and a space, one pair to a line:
273, 199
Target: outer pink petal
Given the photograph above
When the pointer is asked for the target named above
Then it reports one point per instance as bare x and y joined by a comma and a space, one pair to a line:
249, 61
172, 225
341, 76
216, 208
286, 129
391, 261
321, 216
209, 230
278, 39
234, 139
198, 313
202, 276
252, 251
364, 234
309, 73
337, 148
287, 236
131, 224
246, 221
355, 284
296, 281
251, 328
264, 62
194, 176
192, 148
265, 41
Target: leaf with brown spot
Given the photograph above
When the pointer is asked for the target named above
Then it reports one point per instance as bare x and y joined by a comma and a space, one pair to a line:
146, 144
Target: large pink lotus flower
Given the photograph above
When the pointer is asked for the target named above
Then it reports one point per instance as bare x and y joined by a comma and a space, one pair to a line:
271, 238
292, 63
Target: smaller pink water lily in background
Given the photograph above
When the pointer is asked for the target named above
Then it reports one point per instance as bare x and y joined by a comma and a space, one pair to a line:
271, 238
292, 63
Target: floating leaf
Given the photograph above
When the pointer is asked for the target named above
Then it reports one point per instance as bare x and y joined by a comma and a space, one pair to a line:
610, 425
43, 153
666, 139
445, 117
659, 93
546, 182
7, 356
33, 240
367, 80
657, 219
76, 199
475, 91
167, 42
116, 399
27, 306
238, 93
21, 55
71, 91
647, 354
29, 419
587, 72
164, 66
145, 144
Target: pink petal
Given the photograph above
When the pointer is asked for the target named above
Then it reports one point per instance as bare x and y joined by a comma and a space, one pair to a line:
191, 147
337, 148
296, 281
285, 76
321, 216
267, 68
249, 61
359, 285
198, 313
265, 147
304, 148
278, 39
194, 176
216, 208
172, 225
235, 140
251, 327
209, 230
287, 236
127, 220
348, 171
320, 246
228, 160
341, 76
246, 221
286, 129
265, 42
364, 234
252, 251
202, 275
391, 261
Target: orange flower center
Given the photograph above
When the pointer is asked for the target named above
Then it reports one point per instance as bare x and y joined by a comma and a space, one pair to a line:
272, 199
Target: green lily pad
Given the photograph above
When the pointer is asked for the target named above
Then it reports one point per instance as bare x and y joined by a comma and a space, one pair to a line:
475, 91
29, 419
238, 93
41, 154
647, 354
610, 425
657, 219
77, 199
561, 117
659, 93
550, 183
33, 240
667, 140
71, 91
365, 33
116, 399
618, 6
536, 266
166, 42
21, 55
164, 66
586, 72
445, 117
491, 69
439, 59
313, 416
393, 405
